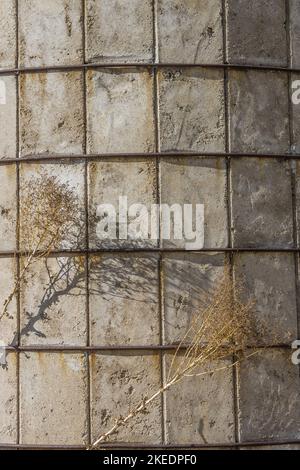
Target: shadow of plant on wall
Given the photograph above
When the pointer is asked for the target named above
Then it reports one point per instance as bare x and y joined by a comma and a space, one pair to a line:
51, 218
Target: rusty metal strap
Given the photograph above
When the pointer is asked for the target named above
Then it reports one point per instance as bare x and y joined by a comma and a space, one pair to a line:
141, 65
127, 156
136, 446
149, 251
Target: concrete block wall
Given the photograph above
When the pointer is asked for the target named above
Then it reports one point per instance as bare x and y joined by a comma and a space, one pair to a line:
114, 301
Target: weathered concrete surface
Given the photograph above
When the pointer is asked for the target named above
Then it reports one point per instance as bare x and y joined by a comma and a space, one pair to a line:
50, 32
258, 103
53, 302
295, 32
8, 400
197, 181
119, 31
8, 211
111, 179
51, 113
70, 174
261, 198
297, 177
186, 279
119, 382
256, 32
269, 279
7, 33
191, 110
120, 111
295, 114
269, 394
190, 31
8, 117
8, 270
124, 299
199, 410
53, 390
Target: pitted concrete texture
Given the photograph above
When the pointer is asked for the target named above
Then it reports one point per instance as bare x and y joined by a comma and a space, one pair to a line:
190, 31
269, 279
119, 31
256, 32
8, 117
8, 207
120, 103
50, 32
269, 378
53, 302
195, 180
191, 104
51, 113
295, 32
108, 181
119, 383
204, 405
53, 407
8, 41
185, 279
9, 321
89, 99
8, 399
259, 108
261, 215
124, 299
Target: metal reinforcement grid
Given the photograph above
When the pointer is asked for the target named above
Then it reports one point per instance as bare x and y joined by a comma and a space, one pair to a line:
88, 350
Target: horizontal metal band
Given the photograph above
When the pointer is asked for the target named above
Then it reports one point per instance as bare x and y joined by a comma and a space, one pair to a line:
117, 348
142, 65
137, 446
101, 156
150, 251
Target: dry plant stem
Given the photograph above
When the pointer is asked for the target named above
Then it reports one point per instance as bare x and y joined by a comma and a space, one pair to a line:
144, 403
220, 330
49, 209
30, 259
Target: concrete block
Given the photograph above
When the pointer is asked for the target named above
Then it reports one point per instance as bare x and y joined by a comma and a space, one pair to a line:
111, 179
8, 211
269, 394
51, 113
124, 299
195, 180
295, 32
69, 174
8, 33
187, 279
50, 33
53, 391
119, 383
120, 111
8, 269
8, 400
297, 195
262, 216
199, 410
8, 117
53, 302
295, 112
256, 32
190, 31
119, 31
191, 110
258, 106
269, 280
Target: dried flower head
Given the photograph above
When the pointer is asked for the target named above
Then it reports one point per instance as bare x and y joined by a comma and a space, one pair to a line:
49, 213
